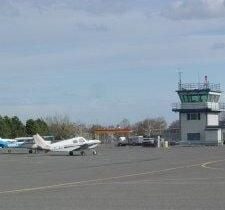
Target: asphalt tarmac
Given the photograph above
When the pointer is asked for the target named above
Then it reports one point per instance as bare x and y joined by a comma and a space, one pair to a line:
133, 178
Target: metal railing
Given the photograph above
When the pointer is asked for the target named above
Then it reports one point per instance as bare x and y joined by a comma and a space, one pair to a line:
208, 105
199, 86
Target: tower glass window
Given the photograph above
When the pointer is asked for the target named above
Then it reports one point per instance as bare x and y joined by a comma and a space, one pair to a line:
194, 98
214, 98
204, 98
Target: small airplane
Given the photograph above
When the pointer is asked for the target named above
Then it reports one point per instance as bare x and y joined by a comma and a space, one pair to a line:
77, 144
10, 144
20, 143
28, 143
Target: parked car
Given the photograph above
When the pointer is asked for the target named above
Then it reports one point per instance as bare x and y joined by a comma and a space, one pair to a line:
135, 140
173, 143
149, 142
123, 141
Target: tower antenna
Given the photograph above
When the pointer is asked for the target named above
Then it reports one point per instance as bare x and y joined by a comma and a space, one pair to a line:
180, 79
198, 80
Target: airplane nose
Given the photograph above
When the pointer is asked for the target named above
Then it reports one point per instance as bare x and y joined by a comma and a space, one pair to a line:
97, 142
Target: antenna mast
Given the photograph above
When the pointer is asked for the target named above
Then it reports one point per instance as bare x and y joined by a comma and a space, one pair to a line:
199, 80
180, 79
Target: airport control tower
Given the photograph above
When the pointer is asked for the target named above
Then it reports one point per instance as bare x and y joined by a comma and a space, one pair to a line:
199, 113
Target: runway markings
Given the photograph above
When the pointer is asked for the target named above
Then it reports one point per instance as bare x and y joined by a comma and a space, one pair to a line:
206, 165
97, 181
201, 181
70, 184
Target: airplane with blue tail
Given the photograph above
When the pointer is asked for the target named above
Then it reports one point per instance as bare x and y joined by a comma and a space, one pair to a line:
21, 143
10, 143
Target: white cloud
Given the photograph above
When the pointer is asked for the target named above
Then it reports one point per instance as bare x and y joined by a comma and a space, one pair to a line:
100, 7
73, 35
46, 44
196, 9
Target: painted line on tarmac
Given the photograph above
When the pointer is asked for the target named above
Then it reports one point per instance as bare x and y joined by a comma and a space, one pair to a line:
206, 165
92, 181
191, 181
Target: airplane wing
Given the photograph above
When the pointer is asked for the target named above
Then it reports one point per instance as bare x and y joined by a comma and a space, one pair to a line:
73, 148
82, 147
90, 145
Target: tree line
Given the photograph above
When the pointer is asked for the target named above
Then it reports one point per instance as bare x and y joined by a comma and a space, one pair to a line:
61, 127
12, 127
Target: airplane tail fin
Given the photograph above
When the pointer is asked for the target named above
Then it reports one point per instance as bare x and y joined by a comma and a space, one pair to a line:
40, 142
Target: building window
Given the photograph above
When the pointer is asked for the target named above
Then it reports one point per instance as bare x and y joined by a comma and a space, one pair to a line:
188, 116
193, 116
194, 98
193, 136
214, 98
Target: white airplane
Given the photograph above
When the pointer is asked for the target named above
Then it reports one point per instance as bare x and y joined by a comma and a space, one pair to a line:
28, 143
19, 143
77, 144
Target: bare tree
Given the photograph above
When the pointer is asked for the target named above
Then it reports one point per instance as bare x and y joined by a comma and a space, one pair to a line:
150, 127
61, 127
174, 125
124, 123
173, 132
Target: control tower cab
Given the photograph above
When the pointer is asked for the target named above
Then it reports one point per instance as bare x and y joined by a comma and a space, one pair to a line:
199, 113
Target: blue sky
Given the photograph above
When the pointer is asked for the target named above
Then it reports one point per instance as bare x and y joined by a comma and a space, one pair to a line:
99, 61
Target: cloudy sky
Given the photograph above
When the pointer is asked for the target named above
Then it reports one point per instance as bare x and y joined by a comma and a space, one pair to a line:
99, 61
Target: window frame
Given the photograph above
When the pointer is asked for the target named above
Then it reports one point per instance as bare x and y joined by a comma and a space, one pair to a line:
193, 136
193, 116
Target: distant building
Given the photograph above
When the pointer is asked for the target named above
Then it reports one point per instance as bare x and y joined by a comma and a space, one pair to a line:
199, 113
111, 134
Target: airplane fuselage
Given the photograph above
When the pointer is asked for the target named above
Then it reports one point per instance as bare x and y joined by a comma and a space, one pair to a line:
73, 144
70, 145
10, 144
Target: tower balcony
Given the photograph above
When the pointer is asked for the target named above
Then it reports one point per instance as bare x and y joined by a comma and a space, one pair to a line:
199, 87
198, 107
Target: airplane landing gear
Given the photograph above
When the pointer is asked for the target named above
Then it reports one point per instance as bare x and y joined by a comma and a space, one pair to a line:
30, 151
94, 152
71, 153
82, 153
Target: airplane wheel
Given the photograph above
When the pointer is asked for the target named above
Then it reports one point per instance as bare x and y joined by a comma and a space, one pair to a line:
94, 152
9, 151
30, 151
82, 153
71, 153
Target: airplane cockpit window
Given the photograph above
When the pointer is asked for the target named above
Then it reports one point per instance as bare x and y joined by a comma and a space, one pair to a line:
20, 141
81, 141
